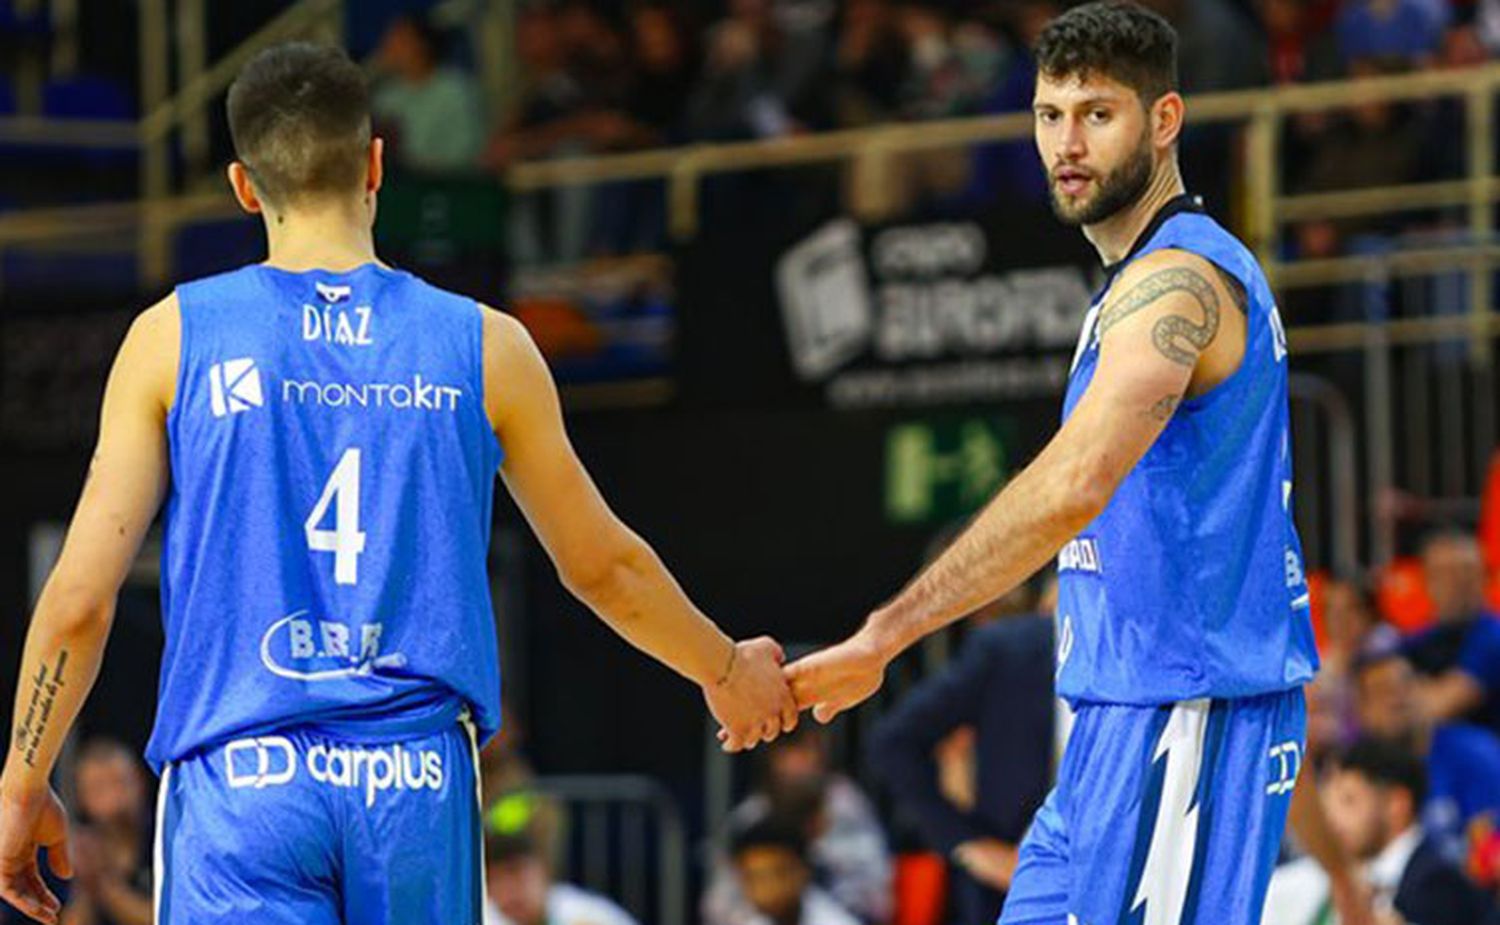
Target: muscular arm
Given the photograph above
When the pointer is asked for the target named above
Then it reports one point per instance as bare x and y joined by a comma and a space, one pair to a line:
126, 482
1152, 335
600, 559
1160, 340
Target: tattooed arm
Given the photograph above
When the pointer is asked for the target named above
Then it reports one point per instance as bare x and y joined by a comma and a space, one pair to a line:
1168, 329
126, 482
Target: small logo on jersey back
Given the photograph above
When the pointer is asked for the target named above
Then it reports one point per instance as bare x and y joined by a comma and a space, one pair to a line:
265, 761
270, 761
234, 386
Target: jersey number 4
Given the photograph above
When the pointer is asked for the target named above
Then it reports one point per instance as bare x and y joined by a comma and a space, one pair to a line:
345, 540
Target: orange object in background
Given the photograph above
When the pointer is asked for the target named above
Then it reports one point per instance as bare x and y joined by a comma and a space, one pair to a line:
1317, 585
1489, 530
1401, 595
921, 886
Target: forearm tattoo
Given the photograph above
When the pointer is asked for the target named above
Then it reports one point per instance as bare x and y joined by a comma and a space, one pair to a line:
44, 688
1170, 333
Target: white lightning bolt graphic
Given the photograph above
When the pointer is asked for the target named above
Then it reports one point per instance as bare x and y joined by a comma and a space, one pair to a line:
1169, 860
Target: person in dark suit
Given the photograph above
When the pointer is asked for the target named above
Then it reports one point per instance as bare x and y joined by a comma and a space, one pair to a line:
1001, 688
1372, 796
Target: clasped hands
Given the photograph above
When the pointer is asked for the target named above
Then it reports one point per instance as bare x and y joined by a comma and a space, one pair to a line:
761, 696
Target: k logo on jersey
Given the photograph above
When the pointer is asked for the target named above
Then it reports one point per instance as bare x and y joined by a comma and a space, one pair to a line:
234, 387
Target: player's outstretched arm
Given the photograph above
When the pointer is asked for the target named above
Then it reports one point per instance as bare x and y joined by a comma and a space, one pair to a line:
126, 482
1158, 329
604, 563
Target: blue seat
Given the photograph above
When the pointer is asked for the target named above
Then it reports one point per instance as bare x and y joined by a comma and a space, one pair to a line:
85, 97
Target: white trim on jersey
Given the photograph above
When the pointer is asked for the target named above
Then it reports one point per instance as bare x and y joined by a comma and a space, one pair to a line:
158, 853
1174, 838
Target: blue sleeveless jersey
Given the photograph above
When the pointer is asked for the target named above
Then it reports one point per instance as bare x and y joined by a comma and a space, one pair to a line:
1190, 583
328, 523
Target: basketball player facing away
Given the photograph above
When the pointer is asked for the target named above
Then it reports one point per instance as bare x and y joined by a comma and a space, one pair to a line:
1184, 637
325, 432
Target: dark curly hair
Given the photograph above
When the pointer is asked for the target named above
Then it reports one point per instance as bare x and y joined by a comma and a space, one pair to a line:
1111, 38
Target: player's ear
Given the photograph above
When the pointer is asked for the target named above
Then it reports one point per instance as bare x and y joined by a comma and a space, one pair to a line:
244, 190
375, 171
1166, 119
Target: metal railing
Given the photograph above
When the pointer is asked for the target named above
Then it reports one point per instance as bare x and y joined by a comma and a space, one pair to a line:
620, 828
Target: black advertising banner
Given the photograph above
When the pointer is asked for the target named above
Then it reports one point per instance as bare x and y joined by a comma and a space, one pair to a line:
981, 310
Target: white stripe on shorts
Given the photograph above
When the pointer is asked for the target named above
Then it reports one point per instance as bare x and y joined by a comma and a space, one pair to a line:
158, 865
1174, 839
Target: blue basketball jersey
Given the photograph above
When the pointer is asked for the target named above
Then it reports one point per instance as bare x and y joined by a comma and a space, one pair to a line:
1190, 583
328, 523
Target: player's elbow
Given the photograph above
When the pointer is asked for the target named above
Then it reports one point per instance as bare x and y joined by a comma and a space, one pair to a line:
74, 610
605, 576
1084, 490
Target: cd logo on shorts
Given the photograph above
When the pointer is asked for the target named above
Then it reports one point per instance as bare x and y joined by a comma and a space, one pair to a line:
1286, 762
260, 762
270, 761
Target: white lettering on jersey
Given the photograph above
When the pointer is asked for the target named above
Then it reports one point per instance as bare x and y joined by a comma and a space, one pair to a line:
1080, 555
301, 657
418, 395
336, 326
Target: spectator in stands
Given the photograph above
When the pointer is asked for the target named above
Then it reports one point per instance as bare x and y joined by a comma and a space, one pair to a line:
1384, 29
431, 111
1348, 618
111, 846
846, 845
1462, 761
1299, 39
773, 873
518, 876
1218, 48
1001, 687
761, 79
1459, 657
871, 61
1371, 798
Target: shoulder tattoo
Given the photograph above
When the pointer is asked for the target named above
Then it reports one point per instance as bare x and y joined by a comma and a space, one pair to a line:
1173, 334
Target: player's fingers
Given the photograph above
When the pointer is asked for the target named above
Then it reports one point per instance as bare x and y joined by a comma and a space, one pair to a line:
825, 712
29, 894
789, 714
59, 858
777, 652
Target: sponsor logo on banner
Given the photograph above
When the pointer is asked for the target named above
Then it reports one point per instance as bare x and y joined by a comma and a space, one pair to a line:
917, 317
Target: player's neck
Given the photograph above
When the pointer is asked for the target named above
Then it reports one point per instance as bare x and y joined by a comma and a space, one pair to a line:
1114, 236
336, 237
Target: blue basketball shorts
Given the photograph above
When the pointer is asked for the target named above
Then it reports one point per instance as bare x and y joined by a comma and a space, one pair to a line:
300, 827
1169, 815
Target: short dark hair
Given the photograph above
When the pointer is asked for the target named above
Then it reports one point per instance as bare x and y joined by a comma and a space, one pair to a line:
1116, 39
770, 831
299, 115
1388, 764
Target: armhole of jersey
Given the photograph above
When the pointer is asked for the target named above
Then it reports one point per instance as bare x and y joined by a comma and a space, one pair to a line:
180, 379
496, 447
1207, 398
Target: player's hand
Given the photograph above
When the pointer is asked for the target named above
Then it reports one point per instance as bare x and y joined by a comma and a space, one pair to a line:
27, 824
752, 703
839, 677
988, 860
